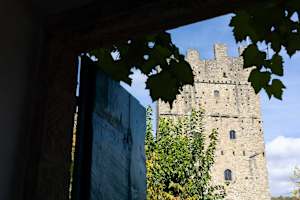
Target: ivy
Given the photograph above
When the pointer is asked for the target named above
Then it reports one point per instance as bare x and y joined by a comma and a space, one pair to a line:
180, 160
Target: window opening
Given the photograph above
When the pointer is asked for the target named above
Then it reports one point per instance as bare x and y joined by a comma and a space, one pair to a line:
228, 175
216, 93
232, 135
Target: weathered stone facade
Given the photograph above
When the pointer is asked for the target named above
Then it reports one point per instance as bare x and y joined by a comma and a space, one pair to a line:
230, 103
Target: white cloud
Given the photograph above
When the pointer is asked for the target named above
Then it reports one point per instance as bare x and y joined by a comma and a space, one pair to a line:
282, 156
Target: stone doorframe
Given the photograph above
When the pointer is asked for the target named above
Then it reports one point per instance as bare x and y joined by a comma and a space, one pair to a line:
53, 98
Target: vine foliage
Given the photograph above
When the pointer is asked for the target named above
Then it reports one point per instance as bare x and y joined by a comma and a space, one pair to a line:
271, 23
155, 56
179, 160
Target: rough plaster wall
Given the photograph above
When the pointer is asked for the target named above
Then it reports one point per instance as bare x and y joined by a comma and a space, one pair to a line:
235, 107
118, 158
16, 60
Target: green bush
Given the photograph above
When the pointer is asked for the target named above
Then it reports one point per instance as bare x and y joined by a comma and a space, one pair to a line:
179, 159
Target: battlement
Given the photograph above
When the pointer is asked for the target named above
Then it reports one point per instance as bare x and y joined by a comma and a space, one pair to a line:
223, 68
193, 55
220, 51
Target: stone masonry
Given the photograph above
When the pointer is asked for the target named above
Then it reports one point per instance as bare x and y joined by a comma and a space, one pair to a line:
231, 105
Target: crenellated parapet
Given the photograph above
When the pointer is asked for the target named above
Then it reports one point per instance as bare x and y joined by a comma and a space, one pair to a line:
222, 68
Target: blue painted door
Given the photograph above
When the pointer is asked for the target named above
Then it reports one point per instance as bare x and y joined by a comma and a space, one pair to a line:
110, 162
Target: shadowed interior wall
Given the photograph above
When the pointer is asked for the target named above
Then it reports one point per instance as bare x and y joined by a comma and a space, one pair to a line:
19, 41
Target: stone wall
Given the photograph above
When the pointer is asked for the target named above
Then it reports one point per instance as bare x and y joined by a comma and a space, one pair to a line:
222, 89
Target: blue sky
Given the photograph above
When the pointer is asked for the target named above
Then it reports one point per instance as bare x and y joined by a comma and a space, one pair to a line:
281, 118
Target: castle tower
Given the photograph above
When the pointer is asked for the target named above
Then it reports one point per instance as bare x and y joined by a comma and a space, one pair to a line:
232, 107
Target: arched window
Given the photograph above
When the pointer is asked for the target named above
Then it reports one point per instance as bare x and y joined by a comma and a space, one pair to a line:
228, 175
232, 135
216, 93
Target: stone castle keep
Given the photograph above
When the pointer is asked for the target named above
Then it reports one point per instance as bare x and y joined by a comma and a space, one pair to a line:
232, 107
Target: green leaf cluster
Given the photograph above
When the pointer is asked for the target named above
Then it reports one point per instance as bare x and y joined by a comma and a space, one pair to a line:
274, 24
155, 56
296, 181
179, 160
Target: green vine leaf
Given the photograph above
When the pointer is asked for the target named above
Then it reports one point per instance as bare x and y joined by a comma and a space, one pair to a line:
276, 65
163, 86
293, 43
242, 26
277, 88
156, 57
253, 57
259, 79
271, 24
